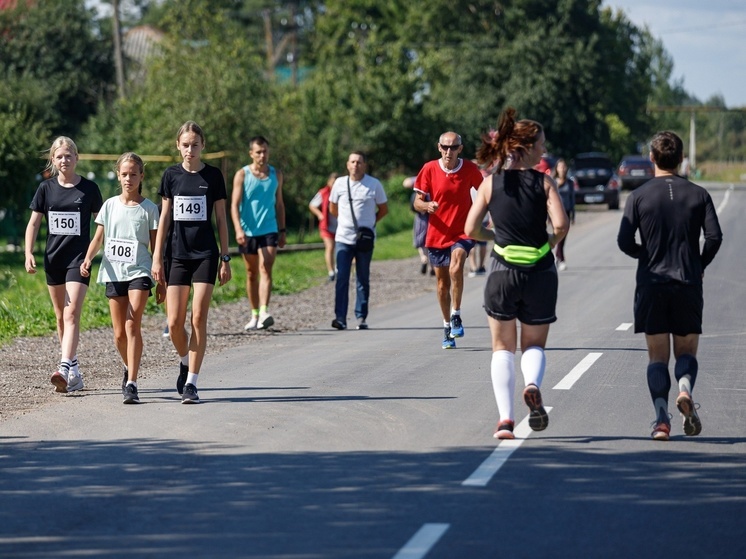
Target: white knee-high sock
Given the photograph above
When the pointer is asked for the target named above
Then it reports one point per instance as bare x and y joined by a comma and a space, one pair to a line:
533, 363
503, 382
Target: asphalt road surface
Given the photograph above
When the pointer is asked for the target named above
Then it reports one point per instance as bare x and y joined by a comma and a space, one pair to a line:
378, 444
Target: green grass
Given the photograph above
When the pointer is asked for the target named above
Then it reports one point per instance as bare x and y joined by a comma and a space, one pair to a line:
26, 310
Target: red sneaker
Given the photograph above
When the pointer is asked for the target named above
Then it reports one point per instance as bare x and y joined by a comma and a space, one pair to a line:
505, 430
661, 431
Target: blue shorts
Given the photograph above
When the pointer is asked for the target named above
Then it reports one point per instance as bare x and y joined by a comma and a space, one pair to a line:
441, 257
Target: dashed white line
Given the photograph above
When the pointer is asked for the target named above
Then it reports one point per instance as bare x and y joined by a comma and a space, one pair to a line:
487, 469
577, 371
420, 544
624, 326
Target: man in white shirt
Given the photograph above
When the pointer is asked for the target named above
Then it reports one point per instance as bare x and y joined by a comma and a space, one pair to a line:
358, 201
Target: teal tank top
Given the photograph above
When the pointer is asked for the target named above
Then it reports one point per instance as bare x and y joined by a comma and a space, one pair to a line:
258, 215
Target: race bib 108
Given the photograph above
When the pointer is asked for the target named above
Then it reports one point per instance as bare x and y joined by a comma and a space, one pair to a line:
64, 223
190, 208
121, 250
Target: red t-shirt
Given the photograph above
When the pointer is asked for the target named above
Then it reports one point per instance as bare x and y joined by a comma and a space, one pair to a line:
452, 192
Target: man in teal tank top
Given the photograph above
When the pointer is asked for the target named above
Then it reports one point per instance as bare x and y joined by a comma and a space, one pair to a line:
258, 213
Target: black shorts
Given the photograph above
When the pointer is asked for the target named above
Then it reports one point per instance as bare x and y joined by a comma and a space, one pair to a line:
121, 288
669, 308
61, 277
528, 295
253, 244
187, 272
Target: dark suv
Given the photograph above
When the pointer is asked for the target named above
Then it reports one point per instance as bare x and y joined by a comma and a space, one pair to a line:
595, 180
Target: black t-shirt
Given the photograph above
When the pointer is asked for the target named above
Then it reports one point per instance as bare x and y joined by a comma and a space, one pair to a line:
670, 213
68, 212
518, 208
193, 195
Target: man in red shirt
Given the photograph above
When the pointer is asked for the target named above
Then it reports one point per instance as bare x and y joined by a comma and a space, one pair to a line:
447, 183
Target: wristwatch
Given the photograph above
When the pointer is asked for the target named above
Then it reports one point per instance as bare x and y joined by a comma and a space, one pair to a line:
225, 258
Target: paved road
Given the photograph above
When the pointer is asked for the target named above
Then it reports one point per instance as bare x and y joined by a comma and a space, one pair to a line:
326, 444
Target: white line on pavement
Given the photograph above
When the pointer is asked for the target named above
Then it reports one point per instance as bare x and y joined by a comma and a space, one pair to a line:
624, 326
487, 469
571, 377
420, 544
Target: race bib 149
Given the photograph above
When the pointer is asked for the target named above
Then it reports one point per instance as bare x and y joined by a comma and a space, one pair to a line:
190, 208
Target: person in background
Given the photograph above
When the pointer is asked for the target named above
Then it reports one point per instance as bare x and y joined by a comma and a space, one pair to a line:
419, 228
522, 282
445, 186
68, 202
129, 223
258, 213
193, 193
319, 206
357, 200
566, 189
670, 213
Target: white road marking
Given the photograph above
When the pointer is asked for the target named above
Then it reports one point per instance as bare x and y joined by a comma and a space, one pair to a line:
487, 469
624, 326
572, 377
420, 544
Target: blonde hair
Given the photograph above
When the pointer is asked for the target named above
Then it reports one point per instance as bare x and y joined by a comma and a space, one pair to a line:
131, 156
59, 142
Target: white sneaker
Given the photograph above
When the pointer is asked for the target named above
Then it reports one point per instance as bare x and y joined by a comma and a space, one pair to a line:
251, 324
59, 380
74, 382
265, 321
562, 266
362, 325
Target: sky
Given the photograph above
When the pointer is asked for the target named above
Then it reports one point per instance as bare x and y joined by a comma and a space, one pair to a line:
706, 40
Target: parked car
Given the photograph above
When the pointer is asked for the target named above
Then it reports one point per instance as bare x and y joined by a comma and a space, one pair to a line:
635, 170
595, 180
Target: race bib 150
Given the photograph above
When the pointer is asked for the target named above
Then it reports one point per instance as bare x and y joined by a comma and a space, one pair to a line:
64, 223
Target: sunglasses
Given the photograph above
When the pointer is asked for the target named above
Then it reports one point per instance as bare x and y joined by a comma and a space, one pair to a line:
453, 148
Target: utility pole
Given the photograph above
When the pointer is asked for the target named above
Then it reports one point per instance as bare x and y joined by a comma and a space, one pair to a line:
692, 142
118, 57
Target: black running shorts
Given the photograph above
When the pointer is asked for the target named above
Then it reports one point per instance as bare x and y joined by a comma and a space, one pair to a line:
253, 244
187, 272
64, 275
121, 288
528, 295
669, 308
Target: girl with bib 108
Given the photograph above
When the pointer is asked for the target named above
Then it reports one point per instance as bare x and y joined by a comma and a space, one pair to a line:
67, 201
128, 222
192, 192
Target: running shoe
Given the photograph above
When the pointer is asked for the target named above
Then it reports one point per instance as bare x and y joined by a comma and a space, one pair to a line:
472, 274
538, 418
74, 382
181, 381
504, 430
332, 277
688, 409
166, 333
481, 271
190, 395
661, 430
448, 341
129, 395
423, 268
338, 324
561, 266
59, 379
457, 328
251, 324
125, 377
362, 325
265, 321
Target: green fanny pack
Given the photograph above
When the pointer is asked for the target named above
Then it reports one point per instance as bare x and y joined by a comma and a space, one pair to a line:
517, 254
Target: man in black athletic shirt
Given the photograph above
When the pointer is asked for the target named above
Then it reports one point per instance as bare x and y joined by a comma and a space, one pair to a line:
670, 212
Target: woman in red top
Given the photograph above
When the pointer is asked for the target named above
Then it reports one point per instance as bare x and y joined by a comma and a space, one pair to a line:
319, 207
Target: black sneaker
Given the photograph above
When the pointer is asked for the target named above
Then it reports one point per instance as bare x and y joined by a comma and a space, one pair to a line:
181, 381
538, 419
126, 378
190, 395
338, 324
129, 395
